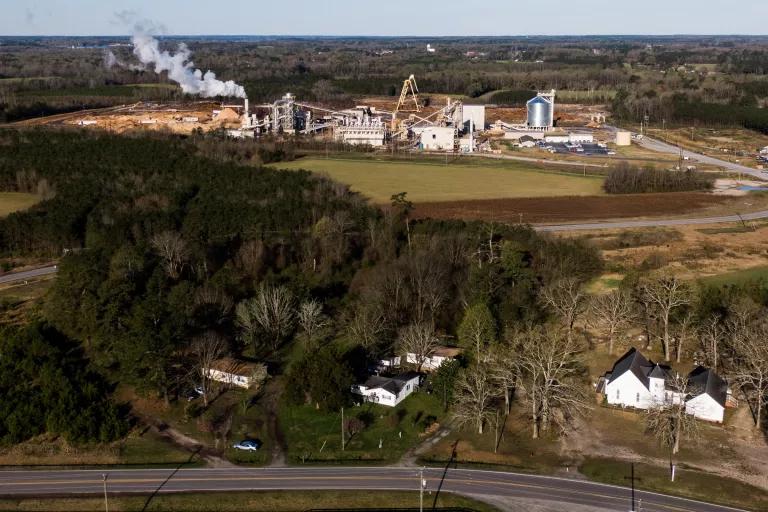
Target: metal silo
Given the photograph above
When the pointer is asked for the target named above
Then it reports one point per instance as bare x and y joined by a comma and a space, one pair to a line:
541, 112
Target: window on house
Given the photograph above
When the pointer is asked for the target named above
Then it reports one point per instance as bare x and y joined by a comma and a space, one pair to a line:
637, 399
617, 394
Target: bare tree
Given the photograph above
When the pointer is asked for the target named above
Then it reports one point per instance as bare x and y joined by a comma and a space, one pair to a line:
312, 320
712, 334
206, 350
549, 369
669, 421
683, 330
666, 293
565, 298
614, 311
504, 369
216, 304
474, 397
366, 327
427, 282
273, 310
246, 322
420, 341
750, 364
172, 248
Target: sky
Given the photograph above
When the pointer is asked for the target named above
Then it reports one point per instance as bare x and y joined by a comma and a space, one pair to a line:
387, 17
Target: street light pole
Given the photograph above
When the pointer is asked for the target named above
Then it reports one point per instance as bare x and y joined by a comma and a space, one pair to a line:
106, 501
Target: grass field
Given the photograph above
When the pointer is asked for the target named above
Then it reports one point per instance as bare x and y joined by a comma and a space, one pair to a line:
246, 502
427, 181
690, 484
739, 277
315, 436
15, 201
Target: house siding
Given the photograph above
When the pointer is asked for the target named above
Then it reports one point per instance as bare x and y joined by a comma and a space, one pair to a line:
627, 391
706, 408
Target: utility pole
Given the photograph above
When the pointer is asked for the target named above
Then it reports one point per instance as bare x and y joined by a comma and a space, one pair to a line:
106, 501
342, 429
422, 485
632, 478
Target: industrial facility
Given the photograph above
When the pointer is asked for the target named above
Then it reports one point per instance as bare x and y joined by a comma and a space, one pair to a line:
408, 122
450, 128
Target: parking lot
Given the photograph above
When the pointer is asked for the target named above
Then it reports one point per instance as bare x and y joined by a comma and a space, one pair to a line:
581, 149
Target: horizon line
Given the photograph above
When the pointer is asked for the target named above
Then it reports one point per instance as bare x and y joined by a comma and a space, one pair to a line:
409, 36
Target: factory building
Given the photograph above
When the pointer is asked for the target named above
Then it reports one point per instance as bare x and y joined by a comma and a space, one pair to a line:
541, 112
438, 138
370, 131
475, 115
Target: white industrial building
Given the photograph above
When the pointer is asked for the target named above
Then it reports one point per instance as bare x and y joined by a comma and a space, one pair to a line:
581, 138
370, 131
437, 138
517, 135
623, 138
473, 117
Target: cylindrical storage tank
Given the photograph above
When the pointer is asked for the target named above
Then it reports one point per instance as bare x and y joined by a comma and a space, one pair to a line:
539, 113
623, 138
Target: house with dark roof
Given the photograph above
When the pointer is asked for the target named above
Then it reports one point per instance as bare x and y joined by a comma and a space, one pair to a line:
708, 395
637, 382
388, 390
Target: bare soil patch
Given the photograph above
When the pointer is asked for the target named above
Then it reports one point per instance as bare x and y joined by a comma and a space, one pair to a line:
571, 209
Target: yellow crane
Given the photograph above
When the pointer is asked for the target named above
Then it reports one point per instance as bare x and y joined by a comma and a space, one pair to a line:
409, 86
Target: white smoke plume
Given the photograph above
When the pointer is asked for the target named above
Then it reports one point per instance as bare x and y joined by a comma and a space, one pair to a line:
111, 60
180, 67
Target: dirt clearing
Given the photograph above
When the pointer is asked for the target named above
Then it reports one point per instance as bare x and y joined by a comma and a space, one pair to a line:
572, 209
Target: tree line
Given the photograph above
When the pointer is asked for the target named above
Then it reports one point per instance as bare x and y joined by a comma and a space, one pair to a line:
628, 179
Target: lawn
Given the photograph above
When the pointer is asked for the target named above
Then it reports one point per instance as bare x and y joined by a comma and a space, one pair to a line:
16, 201
245, 502
688, 483
315, 436
433, 180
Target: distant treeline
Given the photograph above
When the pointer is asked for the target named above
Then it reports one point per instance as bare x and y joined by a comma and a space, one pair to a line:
628, 179
748, 116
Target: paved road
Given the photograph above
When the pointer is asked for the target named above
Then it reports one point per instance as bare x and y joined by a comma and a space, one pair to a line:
28, 274
468, 482
663, 147
628, 224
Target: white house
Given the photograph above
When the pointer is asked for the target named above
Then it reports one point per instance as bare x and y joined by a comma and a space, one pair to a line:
235, 373
438, 357
710, 393
388, 391
636, 382
639, 383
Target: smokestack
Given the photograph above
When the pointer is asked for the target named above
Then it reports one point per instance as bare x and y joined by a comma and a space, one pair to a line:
246, 114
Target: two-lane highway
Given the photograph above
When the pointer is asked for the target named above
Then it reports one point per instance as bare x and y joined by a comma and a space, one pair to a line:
14, 277
461, 481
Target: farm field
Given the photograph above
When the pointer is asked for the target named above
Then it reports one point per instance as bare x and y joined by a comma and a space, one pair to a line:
572, 209
433, 181
15, 201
